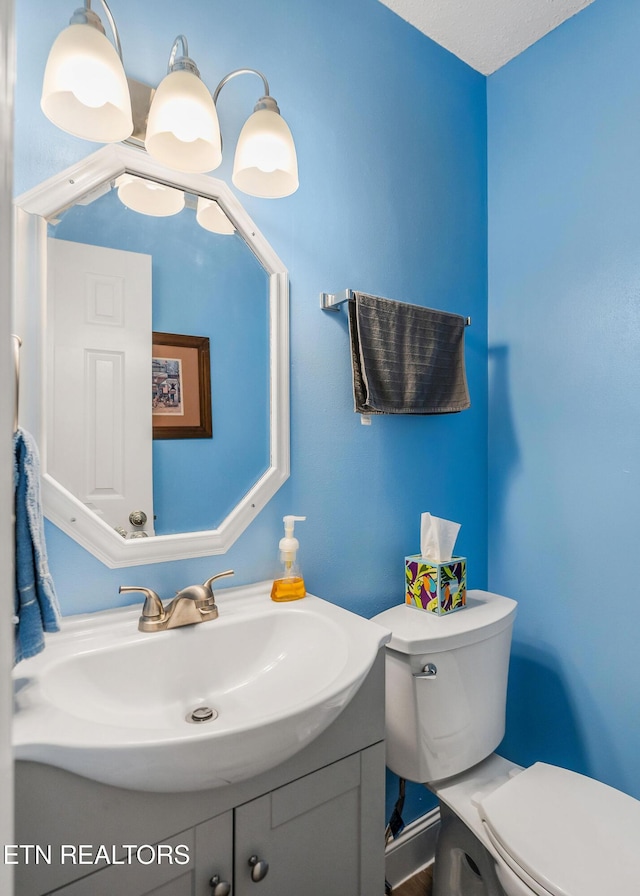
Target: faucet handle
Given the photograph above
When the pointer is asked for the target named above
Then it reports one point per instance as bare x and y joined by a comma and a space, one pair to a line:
153, 608
219, 575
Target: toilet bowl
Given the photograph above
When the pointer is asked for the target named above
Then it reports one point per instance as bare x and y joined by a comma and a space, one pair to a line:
505, 830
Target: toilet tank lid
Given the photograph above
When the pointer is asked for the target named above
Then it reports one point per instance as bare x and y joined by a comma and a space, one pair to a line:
571, 834
417, 631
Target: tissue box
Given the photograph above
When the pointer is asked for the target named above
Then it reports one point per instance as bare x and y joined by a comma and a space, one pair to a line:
439, 588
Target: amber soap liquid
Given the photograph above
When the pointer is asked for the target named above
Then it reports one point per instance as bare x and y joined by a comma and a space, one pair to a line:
291, 588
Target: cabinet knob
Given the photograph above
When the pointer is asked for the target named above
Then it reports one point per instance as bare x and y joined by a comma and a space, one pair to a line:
219, 887
259, 868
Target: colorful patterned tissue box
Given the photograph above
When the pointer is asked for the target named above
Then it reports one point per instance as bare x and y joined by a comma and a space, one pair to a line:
439, 588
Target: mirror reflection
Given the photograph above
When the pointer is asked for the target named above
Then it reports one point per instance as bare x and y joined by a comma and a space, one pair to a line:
221, 296
196, 283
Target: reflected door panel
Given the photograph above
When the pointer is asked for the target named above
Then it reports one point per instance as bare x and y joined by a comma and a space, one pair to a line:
99, 407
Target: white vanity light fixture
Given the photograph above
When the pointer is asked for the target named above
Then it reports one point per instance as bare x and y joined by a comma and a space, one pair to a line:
210, 216
177, 123
183, 130
149, 197
85, 89
265, 163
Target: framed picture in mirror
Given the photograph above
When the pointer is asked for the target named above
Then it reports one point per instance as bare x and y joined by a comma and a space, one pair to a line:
181, 387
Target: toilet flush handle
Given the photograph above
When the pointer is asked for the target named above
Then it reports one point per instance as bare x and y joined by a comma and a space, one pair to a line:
429, 671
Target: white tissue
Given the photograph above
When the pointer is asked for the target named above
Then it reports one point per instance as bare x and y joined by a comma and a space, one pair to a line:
437, 538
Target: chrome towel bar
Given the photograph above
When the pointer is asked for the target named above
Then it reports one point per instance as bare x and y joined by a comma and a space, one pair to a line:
332, 301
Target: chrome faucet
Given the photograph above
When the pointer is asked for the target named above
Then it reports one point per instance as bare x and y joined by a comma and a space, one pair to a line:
193, 604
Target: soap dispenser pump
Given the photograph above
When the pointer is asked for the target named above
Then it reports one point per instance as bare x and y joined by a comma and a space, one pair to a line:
290, 584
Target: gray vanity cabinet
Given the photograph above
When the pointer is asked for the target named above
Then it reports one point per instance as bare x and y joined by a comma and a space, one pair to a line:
310, 836
314, 833
210, 846
317, 821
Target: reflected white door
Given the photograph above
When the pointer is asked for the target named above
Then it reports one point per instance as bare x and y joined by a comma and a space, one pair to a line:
99, 428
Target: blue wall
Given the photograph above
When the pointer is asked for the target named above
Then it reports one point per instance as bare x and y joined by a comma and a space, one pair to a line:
391, 138
564, 355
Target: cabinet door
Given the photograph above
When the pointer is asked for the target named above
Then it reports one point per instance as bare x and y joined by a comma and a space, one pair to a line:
208, 847
104, 883
214, 853
321, 834
144, 875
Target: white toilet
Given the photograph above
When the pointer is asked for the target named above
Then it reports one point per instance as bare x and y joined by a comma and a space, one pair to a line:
504, 829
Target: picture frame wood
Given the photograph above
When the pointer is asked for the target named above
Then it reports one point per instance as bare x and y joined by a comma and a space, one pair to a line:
181, 387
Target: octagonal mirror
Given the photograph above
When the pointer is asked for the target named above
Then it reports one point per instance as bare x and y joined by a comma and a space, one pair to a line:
155, 358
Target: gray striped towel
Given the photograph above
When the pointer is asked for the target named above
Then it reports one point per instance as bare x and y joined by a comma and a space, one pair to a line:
406, 359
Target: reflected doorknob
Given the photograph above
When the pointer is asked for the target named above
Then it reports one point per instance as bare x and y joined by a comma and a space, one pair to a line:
259, 868
137, 518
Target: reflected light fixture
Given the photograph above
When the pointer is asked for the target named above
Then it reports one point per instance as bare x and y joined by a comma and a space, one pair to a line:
149, 197
85, 89
87, 93
210, 216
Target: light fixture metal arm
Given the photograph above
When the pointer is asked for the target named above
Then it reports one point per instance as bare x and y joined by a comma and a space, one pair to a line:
87, 16
112, 23
234, 74
184, 62
174, 49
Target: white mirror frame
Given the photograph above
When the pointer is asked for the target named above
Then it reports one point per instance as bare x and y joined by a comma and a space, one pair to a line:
30, 280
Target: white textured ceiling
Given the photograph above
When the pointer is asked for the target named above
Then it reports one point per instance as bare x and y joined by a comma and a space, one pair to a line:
486, 33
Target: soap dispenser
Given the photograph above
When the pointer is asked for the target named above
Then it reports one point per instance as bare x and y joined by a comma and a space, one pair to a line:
290, 584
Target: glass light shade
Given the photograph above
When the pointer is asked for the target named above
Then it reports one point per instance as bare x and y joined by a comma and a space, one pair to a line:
149, 197
265, 163
85, 89
183, 130
210, 216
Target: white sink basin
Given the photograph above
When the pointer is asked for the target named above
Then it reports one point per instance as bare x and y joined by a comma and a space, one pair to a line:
113, 704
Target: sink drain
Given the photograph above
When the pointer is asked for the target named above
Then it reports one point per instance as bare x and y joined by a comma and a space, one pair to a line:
202, 714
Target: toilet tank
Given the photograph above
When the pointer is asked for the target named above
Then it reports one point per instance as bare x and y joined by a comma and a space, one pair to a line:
445, 720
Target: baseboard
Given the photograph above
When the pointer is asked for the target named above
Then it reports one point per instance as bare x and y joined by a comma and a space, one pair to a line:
413, 850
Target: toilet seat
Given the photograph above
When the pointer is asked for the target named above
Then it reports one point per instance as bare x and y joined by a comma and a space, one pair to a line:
564, 834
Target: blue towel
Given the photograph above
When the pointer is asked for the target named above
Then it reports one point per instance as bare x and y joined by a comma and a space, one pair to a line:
36, 607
